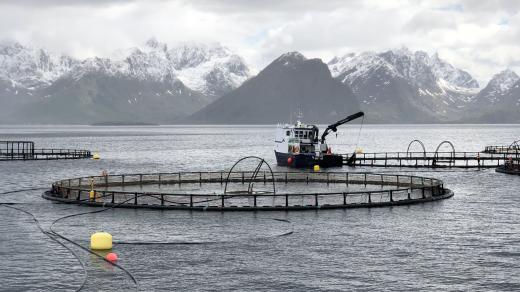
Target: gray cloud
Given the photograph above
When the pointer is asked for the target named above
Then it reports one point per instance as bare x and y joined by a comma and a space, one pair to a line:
61, 3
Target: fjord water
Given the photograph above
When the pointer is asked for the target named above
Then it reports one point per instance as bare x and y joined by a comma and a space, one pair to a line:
468, 242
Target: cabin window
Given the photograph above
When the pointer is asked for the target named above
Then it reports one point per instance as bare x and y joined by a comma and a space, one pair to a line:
288, 133
305, 135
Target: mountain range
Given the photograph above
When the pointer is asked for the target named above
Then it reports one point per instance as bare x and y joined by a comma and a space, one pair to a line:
152, 83
291, 83
208, 83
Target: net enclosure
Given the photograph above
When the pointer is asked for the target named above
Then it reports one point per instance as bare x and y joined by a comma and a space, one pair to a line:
248, 190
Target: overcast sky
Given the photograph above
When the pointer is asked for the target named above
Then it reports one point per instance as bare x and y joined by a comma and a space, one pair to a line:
480, 36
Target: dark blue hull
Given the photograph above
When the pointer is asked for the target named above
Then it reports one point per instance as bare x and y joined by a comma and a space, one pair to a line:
308, 160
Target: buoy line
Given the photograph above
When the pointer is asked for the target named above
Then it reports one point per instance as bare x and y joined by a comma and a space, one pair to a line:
48, 234
52, 234
139, 242
132, 277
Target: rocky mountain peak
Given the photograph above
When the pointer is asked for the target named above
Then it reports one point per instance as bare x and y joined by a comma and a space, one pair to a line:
290, 58
189, 55
8, 47
31, 68
455, 76
418, 67
504, 80
153, 43
290, 81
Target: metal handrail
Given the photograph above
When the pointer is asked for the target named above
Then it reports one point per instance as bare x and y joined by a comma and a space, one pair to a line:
375, 179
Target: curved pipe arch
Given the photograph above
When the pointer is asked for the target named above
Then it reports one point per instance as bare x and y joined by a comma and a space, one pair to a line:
436, 155
255, 173
514, 148
420, 143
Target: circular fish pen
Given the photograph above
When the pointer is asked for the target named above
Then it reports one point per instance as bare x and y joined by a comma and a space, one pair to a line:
248, 190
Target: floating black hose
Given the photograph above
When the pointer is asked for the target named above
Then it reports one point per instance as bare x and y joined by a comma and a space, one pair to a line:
54, 233
88, 250
48, 234
22, 190
202, 242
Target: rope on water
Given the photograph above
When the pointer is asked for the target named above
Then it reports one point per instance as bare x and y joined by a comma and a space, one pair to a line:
48, 234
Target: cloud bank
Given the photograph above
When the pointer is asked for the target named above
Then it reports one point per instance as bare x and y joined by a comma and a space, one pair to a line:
482, 37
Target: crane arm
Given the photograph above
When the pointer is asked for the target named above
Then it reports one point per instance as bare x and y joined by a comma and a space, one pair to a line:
334, 127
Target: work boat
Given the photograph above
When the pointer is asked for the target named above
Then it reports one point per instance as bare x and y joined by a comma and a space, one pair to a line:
298, 145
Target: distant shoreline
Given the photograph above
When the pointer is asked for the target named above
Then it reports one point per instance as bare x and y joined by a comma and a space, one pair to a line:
124, 124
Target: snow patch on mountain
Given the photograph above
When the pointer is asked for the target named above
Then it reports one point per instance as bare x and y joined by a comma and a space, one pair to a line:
31, 68
503, 81
417, 67
500, 85
209, 69
455, 77
290, 59
354, 66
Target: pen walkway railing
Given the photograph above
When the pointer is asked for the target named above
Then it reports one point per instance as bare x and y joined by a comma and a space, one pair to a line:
204, 190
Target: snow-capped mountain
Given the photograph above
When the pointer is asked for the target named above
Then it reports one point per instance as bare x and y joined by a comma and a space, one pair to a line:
212, 70
148, 82
498, 87
157, 82
447, 72
31, 68
418, 67
499, 101
422, 85
209, 69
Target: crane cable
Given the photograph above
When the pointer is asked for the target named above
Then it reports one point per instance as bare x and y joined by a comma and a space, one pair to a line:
359, 133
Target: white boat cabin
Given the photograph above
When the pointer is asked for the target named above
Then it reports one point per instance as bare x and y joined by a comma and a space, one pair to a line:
298, 139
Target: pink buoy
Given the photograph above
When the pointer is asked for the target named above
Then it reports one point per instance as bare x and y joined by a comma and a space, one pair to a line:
289, 160
111, 257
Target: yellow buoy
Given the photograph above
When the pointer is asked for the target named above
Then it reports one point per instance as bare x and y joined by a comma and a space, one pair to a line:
96, 156
92, 195
359, 150
316, 167
101, 240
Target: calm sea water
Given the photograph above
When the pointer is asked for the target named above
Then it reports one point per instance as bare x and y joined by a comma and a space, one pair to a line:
469, 242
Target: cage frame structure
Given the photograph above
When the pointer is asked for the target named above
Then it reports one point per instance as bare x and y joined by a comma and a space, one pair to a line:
25, 150
94, 191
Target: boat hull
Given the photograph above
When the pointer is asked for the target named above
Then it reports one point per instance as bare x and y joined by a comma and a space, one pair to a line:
307, 160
